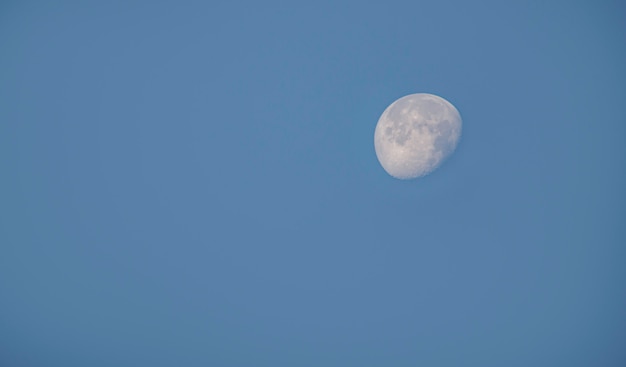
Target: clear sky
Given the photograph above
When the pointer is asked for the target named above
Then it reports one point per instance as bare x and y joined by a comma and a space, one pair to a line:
195, 184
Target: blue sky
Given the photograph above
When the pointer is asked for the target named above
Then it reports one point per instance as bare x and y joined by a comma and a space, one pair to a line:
195, 184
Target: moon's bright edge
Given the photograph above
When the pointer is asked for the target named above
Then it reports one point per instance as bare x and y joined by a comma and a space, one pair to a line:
416, 134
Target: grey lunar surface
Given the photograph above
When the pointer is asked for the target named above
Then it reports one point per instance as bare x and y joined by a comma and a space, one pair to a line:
415, 134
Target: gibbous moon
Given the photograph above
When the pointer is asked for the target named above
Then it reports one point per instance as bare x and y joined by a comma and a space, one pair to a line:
416, 134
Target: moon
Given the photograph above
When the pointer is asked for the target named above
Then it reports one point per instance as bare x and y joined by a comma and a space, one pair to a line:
416, 134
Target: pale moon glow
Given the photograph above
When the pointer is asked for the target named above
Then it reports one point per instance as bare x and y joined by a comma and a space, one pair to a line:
415, 134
